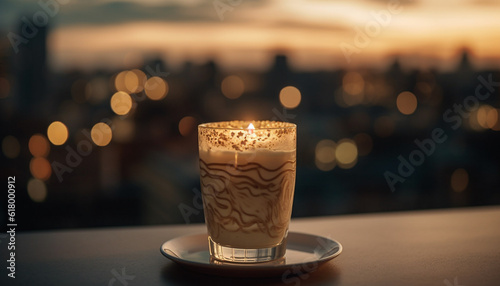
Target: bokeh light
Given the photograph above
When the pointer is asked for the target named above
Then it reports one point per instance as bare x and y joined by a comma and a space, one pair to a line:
492, 118
39, 145
37, 190
232, 86
40, 168
141, 80
290, 97
481, 115
496, 126
11, 147
121, 103
459, 180
123, 129
406, 102
120, 81
325, 155
364, 142
186, 125
101, 134
57, 133
487, 116
156, 88
346, 153
131, 82
353, 86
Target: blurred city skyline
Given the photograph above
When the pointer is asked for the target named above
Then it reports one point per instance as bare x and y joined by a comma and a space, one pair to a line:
99, 107
315, 35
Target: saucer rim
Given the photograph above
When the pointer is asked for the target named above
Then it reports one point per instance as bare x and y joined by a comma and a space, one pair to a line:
249, 267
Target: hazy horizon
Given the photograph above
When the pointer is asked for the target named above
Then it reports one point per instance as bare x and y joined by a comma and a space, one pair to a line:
315, 35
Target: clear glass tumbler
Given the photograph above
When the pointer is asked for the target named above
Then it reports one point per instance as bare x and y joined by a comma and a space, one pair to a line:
247, 174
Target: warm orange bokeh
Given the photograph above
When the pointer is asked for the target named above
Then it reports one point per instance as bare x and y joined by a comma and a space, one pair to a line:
40, 168
39, 145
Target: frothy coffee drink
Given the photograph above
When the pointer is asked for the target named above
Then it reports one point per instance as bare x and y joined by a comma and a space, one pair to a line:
247, 177
247, 196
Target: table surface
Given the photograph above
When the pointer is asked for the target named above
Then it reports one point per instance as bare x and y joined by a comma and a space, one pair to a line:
438, 247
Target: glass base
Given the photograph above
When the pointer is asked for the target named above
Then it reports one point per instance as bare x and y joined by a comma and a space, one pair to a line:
246, 255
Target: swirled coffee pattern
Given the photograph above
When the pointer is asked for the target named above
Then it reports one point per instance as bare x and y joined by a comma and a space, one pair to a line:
247, 205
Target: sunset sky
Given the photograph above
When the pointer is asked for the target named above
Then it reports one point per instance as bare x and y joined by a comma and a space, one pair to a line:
112, 33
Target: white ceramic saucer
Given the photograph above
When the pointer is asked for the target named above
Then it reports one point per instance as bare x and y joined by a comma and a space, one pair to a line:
304, 253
